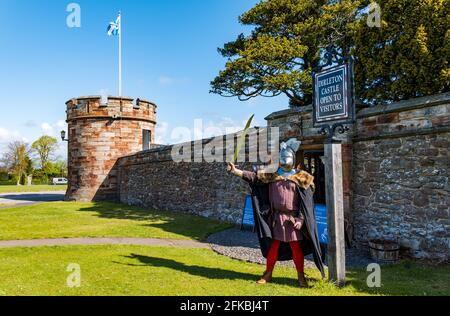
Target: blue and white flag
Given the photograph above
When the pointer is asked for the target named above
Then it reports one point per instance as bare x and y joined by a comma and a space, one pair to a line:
114, 27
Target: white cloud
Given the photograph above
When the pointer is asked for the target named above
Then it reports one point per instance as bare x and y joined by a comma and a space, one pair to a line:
225, 125
3, 133
53, 129
7, 136
161, 133
202, 129
61, 124
47, 128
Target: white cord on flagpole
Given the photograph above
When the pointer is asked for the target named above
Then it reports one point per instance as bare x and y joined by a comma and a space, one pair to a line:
120, 54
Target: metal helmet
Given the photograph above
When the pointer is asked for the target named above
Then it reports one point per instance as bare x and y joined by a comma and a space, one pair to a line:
288, 153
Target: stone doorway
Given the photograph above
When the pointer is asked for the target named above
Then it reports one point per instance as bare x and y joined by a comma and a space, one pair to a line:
312, 162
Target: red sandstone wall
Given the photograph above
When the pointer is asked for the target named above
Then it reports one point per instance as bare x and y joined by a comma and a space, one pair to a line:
98, 136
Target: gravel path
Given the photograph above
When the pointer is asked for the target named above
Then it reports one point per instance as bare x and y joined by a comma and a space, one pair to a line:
244, 245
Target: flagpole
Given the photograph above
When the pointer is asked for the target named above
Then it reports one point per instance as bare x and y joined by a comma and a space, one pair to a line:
120, 54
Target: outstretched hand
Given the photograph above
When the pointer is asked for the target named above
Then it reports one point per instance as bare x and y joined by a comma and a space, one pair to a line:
231, 168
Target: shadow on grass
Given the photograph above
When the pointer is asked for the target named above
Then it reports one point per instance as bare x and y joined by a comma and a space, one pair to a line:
34, 197
191, 226
205, 272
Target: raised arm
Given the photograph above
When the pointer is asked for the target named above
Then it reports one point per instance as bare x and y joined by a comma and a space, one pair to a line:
248, 176
234, 171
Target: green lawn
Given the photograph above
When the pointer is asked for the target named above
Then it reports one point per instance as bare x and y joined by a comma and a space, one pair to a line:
31, 189
135, 270
69, 220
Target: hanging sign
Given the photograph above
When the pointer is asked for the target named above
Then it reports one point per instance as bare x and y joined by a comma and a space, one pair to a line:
333, 96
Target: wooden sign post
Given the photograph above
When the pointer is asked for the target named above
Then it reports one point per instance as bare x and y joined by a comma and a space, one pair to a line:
333, 108
335, 213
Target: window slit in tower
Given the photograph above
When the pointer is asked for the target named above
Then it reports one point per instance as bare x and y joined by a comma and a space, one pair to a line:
146, 139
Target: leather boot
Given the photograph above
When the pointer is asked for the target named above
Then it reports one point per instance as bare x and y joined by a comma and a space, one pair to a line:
302, 283
266, 278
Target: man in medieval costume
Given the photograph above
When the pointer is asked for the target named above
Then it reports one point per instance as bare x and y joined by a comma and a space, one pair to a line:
284, 213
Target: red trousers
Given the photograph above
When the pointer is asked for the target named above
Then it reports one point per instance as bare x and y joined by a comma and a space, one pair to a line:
297, 253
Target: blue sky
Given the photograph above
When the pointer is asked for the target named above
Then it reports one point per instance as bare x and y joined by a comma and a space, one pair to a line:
169, 56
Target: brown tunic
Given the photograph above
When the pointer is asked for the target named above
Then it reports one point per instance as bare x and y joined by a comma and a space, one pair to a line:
284, 201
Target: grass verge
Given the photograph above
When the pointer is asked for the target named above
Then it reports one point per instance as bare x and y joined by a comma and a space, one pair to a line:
101, 219
135, 270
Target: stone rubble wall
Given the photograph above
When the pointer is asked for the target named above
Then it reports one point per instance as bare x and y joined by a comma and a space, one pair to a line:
152, 179
401, 171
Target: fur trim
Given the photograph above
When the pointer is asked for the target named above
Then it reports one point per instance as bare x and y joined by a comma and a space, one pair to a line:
303, 179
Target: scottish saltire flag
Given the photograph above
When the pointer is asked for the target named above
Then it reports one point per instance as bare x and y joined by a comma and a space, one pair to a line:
114, 27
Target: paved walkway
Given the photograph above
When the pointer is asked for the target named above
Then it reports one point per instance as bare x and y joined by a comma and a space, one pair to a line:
8, 200
104, 241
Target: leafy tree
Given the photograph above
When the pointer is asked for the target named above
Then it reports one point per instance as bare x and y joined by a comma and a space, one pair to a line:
4, 174
57, 169
17, 160
45, 147
407, 56
279, 55
62, 168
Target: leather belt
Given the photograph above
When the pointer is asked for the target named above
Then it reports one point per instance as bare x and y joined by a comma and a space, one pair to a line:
291, 216
285, 212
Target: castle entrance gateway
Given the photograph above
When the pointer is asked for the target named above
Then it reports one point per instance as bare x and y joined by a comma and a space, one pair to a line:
313, 161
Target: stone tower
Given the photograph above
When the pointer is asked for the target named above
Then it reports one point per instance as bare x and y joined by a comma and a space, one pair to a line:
99, 132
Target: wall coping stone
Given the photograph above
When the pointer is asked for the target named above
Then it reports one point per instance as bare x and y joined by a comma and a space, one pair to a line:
147, 101
166, 148
411, 104
287, 112
406, 105
93, 97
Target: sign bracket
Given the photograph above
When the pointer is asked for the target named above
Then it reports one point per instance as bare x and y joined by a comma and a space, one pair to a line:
331, 130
